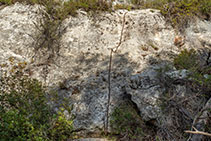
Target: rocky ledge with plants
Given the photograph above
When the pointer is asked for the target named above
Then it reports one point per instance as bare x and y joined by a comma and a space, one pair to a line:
133, 70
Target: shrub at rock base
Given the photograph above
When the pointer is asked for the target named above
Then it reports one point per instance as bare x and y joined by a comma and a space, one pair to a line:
25, 114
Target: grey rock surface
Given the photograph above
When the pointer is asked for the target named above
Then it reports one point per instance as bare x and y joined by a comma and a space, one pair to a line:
145, 90
16, 31
80, 72
198, 34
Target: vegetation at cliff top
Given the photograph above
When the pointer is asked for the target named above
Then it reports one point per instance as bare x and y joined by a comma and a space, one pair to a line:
177, 12
177, 7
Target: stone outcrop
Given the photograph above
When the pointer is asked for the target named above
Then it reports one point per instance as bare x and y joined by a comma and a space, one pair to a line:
79, 72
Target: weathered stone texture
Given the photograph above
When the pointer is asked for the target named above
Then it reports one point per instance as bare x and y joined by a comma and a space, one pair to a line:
82, 67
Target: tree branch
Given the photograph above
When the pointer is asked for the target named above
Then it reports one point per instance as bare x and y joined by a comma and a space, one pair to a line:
198, 132
113, 50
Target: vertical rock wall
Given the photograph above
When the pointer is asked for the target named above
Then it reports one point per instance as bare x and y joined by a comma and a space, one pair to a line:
80, 72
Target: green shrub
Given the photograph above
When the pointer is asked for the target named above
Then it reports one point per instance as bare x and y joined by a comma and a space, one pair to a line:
93, 5
25, 114
205, 7
186, 60
70, 6
190, 60
23, 108
122, 6
21, 1
126, 122
61, 129
178, 12
6, 1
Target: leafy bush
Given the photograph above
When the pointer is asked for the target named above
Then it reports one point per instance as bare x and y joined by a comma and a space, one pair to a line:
178, 12
126, 122
186, 60
61, 128
205, 7
22, 1
93, 5
25, 114
70, 6
190, 60
6, 1
122, 6
197, 91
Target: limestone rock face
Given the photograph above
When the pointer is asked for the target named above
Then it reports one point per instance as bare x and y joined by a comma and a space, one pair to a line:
80, 72
145, 90
16, 31
86, 45
198, 34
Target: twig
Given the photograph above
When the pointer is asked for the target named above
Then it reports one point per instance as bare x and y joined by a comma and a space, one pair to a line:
121, 35
198, 132
109, 91
113, 50
200, 119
